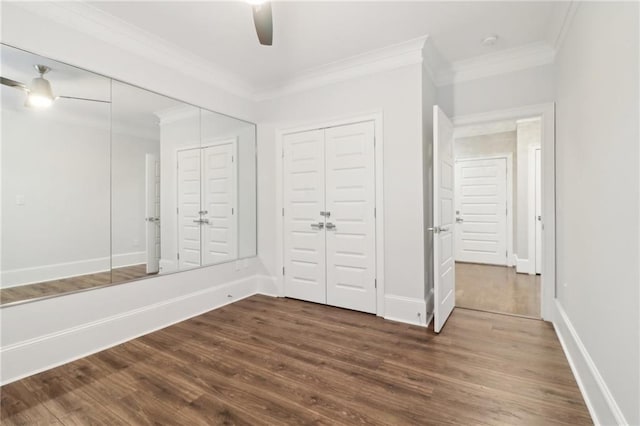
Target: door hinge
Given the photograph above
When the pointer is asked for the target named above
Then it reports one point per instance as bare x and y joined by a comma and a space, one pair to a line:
375, 283
283, 270
232, 210
374, 212
282, 152
177, 209
506, 254
232, 158
178, 256
283, 211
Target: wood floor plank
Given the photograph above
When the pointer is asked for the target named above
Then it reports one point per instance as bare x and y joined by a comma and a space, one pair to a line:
266, 361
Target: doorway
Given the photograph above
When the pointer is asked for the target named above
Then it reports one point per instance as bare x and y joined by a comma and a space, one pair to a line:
498, 229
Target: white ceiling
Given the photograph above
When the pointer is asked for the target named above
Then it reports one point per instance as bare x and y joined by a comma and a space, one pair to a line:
308, 35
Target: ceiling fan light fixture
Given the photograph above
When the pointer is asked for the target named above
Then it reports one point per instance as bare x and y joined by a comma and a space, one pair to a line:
40, 94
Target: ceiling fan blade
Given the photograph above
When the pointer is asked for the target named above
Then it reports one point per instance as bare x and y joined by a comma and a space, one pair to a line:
13, 83
83, 99
263, 21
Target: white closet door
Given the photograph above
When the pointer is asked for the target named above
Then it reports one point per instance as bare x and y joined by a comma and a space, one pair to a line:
538, 212
152, 212
219, 228
304, 237
350, 227
188, 208
481, 206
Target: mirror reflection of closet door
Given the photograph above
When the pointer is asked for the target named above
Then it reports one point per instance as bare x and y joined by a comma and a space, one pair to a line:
219, 203
189, 217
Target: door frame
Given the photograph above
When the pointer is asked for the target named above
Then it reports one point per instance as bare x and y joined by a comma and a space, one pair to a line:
280, 132
531, 207
546, 112
508, 157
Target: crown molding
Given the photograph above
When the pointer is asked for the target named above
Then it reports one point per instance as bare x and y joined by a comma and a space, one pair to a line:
497, 63
375, 61
176, 113
93, 22
566, 24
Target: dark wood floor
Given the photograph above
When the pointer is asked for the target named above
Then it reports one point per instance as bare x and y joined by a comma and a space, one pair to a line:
267, 361
497, 289
66, 285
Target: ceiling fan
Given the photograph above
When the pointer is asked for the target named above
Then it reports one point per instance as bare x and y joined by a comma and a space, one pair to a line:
39, 93
263, 21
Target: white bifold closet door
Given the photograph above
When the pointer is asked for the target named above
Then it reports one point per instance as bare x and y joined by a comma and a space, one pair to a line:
329, 216
207, 205
219, 204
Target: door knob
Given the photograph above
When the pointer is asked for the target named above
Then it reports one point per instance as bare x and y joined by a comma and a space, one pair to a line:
317, 226
201, 221
152, 219
459, 220
330, 226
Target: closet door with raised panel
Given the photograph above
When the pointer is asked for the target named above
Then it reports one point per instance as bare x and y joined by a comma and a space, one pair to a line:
350, 221
304, 235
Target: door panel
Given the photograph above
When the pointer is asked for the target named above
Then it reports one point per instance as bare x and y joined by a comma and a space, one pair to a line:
350, 204
443, 217
219, 231
481, 211
152, 212
538, 212
304, 189
189, 208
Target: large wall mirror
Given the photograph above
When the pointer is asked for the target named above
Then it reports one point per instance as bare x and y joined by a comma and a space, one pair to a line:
104, 182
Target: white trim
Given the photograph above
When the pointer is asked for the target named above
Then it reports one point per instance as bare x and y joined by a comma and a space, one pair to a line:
508, 157
406, 310
372, 62
566, 24
128, 259
87, 19
531, 207
602, 406
522, 265
42, 353
501, 62
377, 118
547, 114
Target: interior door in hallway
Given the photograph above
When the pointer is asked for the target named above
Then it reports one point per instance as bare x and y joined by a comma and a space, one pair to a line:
350, 216
219, 209
304, 236
481, 211
444, 284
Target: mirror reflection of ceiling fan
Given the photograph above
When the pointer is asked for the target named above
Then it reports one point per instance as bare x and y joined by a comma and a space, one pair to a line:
263, 21
39, 93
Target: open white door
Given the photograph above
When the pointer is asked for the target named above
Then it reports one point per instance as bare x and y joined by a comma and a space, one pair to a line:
219, 194
152, 212
538, 210
443, 217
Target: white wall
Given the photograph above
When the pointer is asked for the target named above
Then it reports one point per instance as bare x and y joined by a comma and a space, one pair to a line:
516, 89
46, 333
598, 205
398, 94
128, 151
59, 167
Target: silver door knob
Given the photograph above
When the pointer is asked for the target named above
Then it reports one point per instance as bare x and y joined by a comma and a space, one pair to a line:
317, 226
459, 220
444, 228
152, 219
201, 221
330, 226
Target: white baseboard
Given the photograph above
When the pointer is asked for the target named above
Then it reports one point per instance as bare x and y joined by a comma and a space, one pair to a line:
405, 309
24, 276
267, 285
602, 406
128, 259
49, 351
58, 271
522, 265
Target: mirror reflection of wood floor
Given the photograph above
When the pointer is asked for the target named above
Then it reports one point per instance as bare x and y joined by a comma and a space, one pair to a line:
66, 285
497, 289
272, 361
